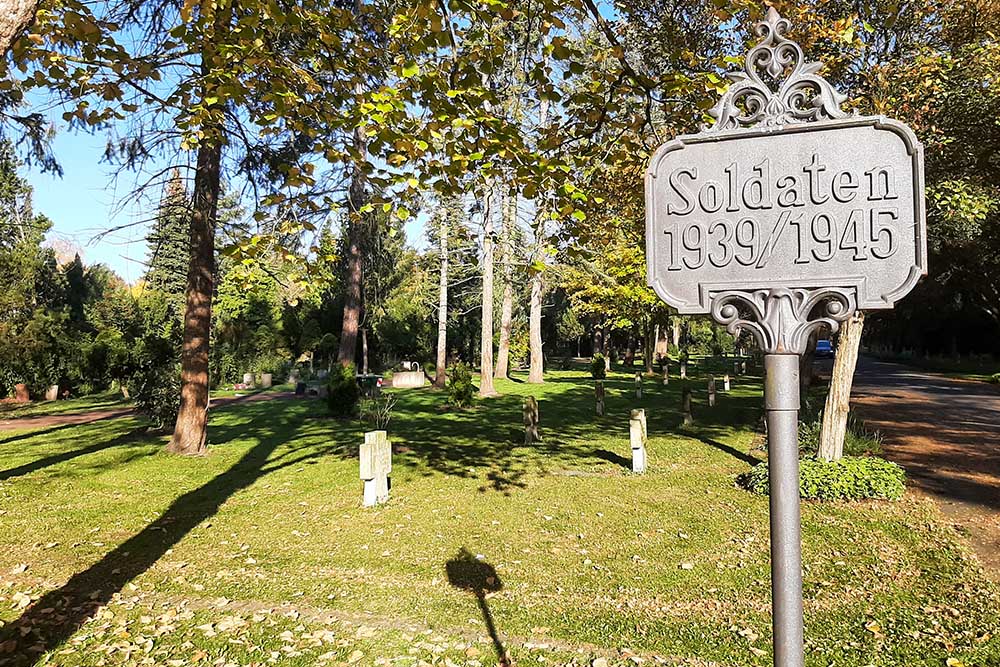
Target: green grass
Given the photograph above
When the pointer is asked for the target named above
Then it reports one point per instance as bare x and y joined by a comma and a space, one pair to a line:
265, 540
104, 401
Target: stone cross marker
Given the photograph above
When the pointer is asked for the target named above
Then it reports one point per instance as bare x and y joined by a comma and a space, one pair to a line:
711, 392
684, 370
531, 421
666, 373
785, 217
638, 385
725, 382
637, 435
376, 466
599, 395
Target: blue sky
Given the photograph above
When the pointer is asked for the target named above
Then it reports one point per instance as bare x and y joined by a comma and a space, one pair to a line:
88, 200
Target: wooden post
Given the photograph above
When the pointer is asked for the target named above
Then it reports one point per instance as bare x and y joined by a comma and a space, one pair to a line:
599, 394
531, 421
376, 466
686, 406
684, 370
637, 435
666, 372
725, 382
711, 392
638, 385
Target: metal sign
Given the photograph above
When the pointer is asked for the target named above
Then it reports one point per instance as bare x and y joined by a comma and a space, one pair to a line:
786, 190
787, 215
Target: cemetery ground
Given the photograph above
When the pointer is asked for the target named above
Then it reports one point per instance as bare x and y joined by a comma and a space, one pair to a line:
117, 553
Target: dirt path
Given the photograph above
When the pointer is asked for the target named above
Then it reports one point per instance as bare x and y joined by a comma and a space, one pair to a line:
89, 417
946, 433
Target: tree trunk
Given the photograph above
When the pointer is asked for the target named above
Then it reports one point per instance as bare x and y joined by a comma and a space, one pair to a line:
364, 351
486, 334
440, 372
838, 401
536, 372
356, 199
191, 428
676, 326
650, 341
192, 420
507, 303
806, 360
629, 360
15, 17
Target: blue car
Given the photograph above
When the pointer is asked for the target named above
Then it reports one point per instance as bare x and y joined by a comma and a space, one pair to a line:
824, 349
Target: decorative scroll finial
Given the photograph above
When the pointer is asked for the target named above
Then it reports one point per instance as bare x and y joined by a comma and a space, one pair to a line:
781, 319
799, 96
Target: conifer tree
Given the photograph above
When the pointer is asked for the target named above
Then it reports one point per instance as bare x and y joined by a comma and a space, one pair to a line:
169, 242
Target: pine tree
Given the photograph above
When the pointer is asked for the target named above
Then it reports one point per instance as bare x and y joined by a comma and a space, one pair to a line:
170, 242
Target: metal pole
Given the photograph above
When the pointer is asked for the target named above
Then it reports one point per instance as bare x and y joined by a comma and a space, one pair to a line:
781, 403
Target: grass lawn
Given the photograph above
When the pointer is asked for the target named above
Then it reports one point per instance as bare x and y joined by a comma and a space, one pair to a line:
116, 553
104, 401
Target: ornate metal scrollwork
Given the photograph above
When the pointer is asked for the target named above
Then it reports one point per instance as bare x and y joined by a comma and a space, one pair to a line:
781, 319
801, 97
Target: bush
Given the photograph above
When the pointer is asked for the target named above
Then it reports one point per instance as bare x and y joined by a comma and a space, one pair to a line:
850, 478
598, 368
460, 389
343, 392
430, 369
155, 383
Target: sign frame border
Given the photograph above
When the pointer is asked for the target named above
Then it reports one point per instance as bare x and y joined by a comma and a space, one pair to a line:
917, 270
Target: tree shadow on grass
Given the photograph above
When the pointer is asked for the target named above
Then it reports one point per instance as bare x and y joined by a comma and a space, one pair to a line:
133, 437
59, 614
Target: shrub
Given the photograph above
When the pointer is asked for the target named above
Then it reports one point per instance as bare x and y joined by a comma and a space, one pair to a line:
460, 389
850, 478
377, 410
155, 383
430, 369
343, 392
598, 369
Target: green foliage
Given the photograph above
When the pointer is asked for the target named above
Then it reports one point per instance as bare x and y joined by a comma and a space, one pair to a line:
850, 478
156, 381
995, 378
343, 392
598, 368
460, 389
170, 244
858, 440
376, 411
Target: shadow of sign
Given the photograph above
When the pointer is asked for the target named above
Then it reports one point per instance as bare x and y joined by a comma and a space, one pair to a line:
470, 573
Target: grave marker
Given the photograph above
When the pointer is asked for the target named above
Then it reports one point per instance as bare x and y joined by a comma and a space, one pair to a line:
725, 382
686, 406
638, 385
637, 436
666, 373
711, 392
376, 466
784, 217
599, 394
531, 421
684, 370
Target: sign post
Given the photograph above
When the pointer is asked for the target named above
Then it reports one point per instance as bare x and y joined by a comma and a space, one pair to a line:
784, 217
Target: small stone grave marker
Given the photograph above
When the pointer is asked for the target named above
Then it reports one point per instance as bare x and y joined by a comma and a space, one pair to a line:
711, 392
638, 385
376, 466
531, 421
686, 406
248, 379
666, 373
725, 382
684, 370
637, 435
599, 395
